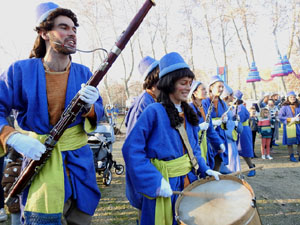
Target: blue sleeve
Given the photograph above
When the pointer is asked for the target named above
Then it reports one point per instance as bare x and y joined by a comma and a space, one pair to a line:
283, 114
213, 137
146, 178
6, 96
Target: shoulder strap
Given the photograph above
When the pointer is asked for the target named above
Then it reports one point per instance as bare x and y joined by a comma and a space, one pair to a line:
188, 147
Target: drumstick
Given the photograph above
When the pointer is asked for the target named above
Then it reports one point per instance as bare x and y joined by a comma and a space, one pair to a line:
245, 171
198, 194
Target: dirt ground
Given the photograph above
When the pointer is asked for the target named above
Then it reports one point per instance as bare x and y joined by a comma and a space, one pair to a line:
276, 186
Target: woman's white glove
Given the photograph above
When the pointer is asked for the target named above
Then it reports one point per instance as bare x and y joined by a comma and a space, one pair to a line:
224, 119
213, 173
165, 189
204, 126
28, 146
217, 122
89, 94
222, 148
236, 123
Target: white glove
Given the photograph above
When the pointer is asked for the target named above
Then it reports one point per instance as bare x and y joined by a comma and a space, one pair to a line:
28, 146
89, 94
236, 123
213, 173
165, 189
204, 126
295, 119
225, 119
217, 122
222, 148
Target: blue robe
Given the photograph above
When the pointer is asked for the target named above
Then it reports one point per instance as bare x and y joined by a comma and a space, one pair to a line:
222, 108
284, 113
23, 88
212, 137
244, 142
153, 137
135, 111
233, 155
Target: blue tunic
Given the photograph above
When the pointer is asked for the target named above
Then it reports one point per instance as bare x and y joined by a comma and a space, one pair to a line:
136, 109
134, 112
23, 88
284, 113
244, 142
221, 109
153, 137
212, 137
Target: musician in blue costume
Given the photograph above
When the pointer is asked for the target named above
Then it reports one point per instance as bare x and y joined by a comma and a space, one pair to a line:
244, 141
154, 153
39, 89
289, 116
197, 93
234, 127
149, 69
219, 118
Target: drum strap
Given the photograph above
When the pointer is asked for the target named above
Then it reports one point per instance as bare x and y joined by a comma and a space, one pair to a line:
188, 147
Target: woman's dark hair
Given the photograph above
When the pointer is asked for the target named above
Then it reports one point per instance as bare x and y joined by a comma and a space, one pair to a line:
39, 47
151, 79
166, 85
287, 102
239, 101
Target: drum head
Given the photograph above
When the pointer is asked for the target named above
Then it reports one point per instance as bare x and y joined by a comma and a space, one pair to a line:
233, 200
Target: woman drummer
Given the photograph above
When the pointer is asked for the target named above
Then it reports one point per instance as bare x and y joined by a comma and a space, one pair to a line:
154, 153
219, 117
211, 138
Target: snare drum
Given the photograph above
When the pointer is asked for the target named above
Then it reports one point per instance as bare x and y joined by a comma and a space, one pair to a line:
233, 203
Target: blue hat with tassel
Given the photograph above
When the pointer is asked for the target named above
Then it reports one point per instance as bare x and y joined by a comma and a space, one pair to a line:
146, 65
214, 79
238, 94
291, 93
194, 87
43, 10
171, 62
227, 91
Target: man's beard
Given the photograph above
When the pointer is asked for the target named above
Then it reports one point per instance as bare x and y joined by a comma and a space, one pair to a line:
58, 46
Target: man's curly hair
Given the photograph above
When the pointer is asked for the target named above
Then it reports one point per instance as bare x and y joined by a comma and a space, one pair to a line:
39, 47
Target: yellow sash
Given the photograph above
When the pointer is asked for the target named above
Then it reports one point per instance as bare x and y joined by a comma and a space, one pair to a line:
46, 192
246, 123
234, 135
291, 131
173, 168
203, 146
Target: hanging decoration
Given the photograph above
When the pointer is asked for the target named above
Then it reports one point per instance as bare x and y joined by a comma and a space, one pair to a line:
253, 75
279, 70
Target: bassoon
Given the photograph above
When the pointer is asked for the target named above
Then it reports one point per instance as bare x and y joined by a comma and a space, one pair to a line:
75, 107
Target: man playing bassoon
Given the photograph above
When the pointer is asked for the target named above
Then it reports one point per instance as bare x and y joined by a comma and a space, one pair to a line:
39, 88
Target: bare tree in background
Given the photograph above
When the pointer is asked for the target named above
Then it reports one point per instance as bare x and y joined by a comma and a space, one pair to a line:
244, 13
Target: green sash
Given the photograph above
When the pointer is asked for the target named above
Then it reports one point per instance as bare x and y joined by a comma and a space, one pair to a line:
234, 135
173, 168
203, 146
46, 192
246, 123
291, 131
